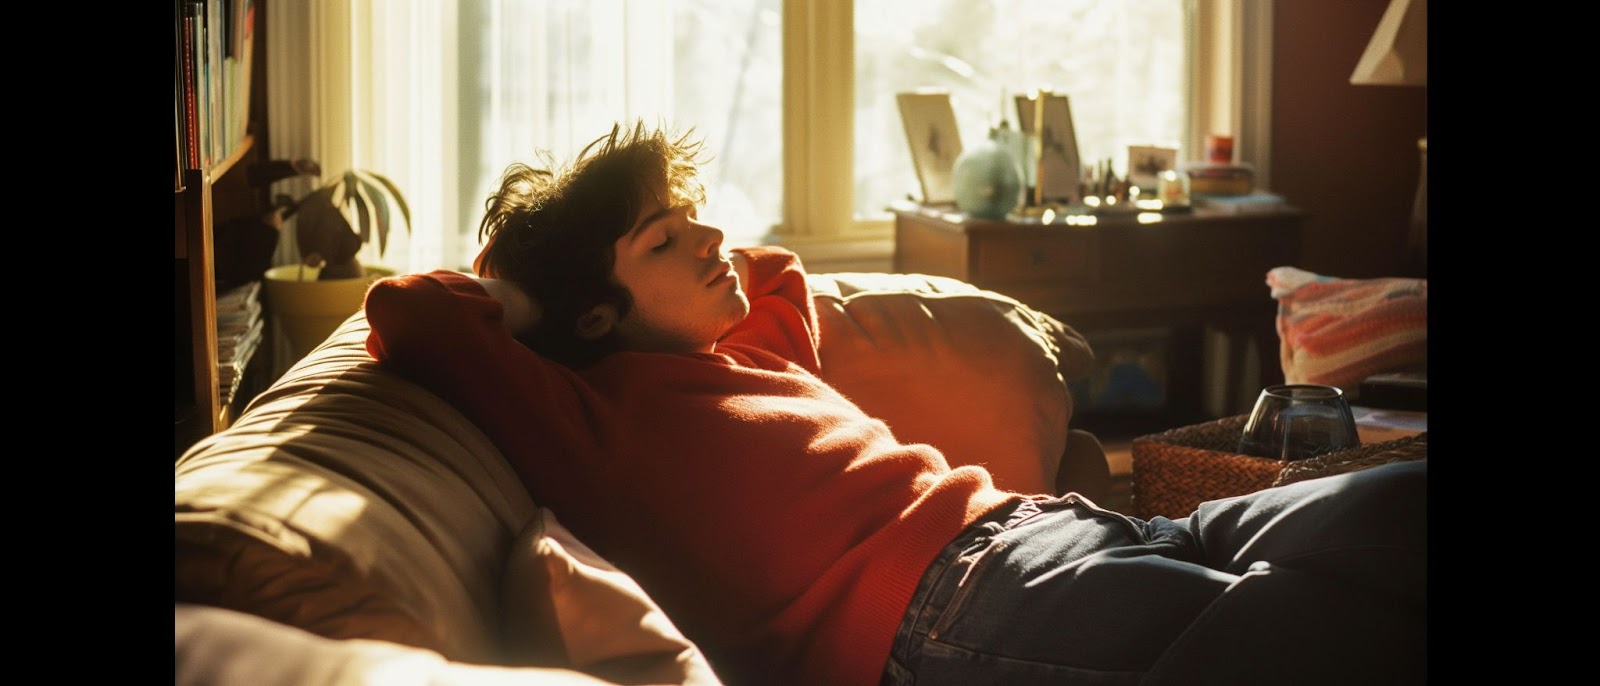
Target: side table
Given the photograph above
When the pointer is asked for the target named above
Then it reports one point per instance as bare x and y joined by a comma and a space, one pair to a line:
1180, 271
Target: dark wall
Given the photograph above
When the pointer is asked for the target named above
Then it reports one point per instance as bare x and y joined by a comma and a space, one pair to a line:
1345, 154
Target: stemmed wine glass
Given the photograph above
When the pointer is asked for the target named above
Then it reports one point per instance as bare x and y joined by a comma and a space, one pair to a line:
1298, 421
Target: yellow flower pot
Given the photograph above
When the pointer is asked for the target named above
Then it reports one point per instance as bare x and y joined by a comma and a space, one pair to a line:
309, 310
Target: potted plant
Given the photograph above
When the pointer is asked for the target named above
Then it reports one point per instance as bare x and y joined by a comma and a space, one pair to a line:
334, 221
331, 224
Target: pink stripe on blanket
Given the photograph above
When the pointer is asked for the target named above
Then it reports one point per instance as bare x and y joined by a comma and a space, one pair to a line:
1338, 331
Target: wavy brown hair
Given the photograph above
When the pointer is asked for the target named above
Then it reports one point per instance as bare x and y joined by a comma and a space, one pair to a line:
552, 230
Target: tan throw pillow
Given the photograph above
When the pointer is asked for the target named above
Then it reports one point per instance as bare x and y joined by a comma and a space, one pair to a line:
976, 374
565, 606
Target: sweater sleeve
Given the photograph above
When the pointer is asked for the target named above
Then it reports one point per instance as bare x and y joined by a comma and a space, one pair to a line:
445, 332
782, 318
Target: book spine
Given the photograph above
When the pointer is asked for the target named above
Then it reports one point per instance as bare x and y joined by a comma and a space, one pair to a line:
191, 105
218, 74
247, 36
202, 85
179, 156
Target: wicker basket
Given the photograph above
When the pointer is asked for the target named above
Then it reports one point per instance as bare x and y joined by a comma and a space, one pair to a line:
1174, 471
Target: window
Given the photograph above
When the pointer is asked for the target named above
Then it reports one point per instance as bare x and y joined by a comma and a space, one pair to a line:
1120, 63
553, 75
548, 72
1170, 62
794, 98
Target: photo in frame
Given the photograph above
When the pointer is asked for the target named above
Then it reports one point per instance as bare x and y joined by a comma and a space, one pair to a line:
930, 124
1059, 168
1146, 162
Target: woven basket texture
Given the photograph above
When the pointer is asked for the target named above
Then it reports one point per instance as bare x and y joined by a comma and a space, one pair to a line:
1176, 470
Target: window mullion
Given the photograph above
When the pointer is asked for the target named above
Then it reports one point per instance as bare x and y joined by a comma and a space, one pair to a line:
819, 119
1230, 79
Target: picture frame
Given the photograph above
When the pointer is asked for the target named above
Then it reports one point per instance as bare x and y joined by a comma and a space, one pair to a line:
935, 142
1147, 162
1059, 169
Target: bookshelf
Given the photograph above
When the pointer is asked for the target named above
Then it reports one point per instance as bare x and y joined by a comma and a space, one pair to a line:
220, 132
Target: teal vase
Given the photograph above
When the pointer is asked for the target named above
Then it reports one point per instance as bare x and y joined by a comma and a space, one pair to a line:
987, 179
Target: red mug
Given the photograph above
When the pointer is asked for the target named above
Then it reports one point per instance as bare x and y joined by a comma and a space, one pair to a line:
1219, 149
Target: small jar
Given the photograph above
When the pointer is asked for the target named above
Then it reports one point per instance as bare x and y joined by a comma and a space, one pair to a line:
1173, 189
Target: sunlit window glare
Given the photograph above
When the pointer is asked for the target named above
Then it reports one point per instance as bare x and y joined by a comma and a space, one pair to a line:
550, 76
1121, 64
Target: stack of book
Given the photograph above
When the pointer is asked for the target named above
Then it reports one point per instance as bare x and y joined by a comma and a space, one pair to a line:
1220, 179
1246, 203
240, 328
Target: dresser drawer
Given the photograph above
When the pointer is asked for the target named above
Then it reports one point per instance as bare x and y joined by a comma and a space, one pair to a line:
1064, 257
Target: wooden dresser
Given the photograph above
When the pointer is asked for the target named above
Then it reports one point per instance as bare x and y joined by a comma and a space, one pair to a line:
1181, 271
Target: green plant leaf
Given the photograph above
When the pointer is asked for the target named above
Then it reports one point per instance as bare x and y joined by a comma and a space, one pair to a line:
361, 206
393, 192
378, 200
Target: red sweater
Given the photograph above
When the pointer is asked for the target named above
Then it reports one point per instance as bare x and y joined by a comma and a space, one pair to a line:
779, 526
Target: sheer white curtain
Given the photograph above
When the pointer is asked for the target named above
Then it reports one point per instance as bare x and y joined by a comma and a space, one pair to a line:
547, 75
551, 76
370, 84
441, 95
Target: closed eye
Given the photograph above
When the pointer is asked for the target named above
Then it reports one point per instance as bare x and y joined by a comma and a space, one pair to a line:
663, 246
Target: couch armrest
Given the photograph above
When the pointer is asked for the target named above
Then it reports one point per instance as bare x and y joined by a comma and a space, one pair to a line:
351, 503
1084, 469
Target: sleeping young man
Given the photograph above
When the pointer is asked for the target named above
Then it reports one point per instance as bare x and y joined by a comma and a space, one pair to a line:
661, 394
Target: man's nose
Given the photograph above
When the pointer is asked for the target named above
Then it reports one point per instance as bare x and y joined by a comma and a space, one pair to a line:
710, 237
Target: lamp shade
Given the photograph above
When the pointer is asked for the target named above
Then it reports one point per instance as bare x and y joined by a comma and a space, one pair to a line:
1397, 55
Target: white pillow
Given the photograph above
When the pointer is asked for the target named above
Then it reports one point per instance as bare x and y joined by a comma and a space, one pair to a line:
212, 645
565, 606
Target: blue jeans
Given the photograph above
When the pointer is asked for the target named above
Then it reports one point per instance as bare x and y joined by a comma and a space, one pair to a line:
1323, 580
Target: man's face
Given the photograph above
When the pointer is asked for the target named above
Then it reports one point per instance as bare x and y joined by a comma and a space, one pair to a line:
686, 294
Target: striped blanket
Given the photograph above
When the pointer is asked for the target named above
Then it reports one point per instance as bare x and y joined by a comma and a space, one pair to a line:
1336, 332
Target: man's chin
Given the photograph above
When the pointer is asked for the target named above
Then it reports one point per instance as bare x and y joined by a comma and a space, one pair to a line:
740, 310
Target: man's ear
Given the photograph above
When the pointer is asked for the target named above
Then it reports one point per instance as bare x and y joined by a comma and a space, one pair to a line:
597, 322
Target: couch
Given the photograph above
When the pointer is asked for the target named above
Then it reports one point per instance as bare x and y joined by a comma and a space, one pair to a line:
350, 526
